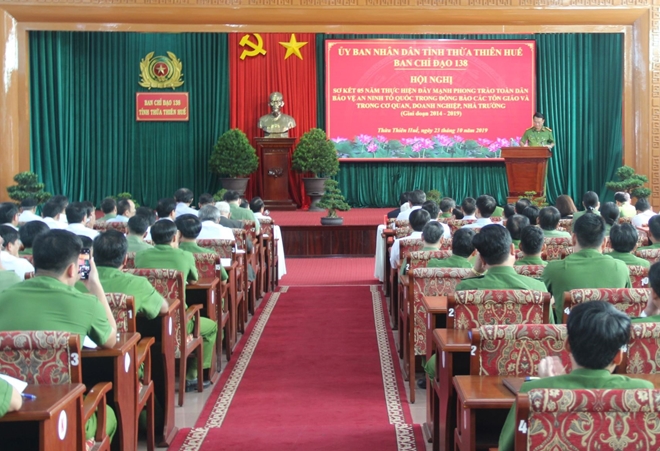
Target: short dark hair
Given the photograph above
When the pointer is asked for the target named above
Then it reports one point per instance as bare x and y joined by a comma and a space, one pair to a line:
549, 218
469, 205
108, 205
509, 210
532, 213
654, 227
642, 204
623, 237
461, 242
162, 232
55, 250
531, 240
597, 331
183, 195
231, 196
589, 230
654, 278
7, 212
486, 205
89, 207
256, 204
610, 213
29, 203
75, 212
432, 232
148, 213
418, 219
8, 234
138, 224
515, 224
458, 213
447, 204
432, 208
60, 199
590, 200
30, 230
87, 242
206, 198
110, 248
165, 207
521, 204
52, 209
123, 206
417, 197
189, 225
403, 198
622, 197
493, 243
538, 115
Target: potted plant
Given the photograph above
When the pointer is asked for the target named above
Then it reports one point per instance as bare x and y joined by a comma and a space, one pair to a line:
27, 185
630, 183
234, 159
317, 155
333, 200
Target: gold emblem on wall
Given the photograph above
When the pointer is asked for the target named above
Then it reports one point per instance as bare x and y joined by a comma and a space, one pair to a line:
161, 71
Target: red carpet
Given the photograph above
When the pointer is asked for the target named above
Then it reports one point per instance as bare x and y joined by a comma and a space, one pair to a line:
316, 373
329, 271
355, 216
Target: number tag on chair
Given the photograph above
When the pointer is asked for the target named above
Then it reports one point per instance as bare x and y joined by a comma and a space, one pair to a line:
219, 267
567, 311
429, 320
522, 427
473, 350
212, 297
645, 281
75, 359
130, 314
450, 312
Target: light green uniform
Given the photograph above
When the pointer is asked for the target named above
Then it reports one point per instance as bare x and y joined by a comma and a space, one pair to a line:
652, 246
587, 268
108, 217
536, 261
577, 215
555, 234
499, 211
135, 244
243, 213
537, 138
26, 251
195, 249
6, 391
627, 211
630, 259
8, 278
455, 261
578, 378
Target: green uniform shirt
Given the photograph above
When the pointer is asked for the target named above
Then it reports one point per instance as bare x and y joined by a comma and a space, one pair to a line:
499, 211
45, 303
530, 261
455, 261
7, 279
627, 210
555, 234
195, 249
652, 246
578, 378
577, 214
164, 256
587, 268
135, 244
630, 259
243, 213
26, 251
6, 391
501, 278
446, 215
537, 138
108, 217
516, 243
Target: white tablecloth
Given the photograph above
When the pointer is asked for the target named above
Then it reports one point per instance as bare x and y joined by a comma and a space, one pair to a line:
379, 264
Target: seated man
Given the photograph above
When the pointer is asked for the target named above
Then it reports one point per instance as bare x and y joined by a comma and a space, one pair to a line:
597, 332
125, 211
76, 216
166, 209
515, 224
28, 211
461, 248
9, 256
259, 210
237, 212
418, 219
469, 208
10, 399
434, 212
28, 232
52, 212
623, 238
415, 200
651, 313
9, 214
189, 227
622, 200
205, 199
49, 301
109, 209
521, 204
644, 213
447, 205
654, 233
532, 213
225, 215
508, 210
549, 221
7, 277
137, 230
485, 207
403, 200
431, 235
531, 245
211, 228
586, 267
183, 198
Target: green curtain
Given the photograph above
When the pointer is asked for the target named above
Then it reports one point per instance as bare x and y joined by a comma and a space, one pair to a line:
85, 141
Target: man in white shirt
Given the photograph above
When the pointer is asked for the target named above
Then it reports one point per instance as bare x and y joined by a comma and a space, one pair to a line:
469, 207
9, 214
125, 211
28, 211
418, 219
485, 207
644, 213
258, 208
52, 212
211, 229
184, 198
434, 213
76, 215
9, 255
415, 199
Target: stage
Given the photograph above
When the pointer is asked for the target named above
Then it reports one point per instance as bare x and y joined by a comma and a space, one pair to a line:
304, 236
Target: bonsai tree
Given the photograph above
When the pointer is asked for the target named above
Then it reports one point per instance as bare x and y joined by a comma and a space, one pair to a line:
333, 200
630, 183
233, 155
219, 195
434, 195
28, 186
539, 201
316, 154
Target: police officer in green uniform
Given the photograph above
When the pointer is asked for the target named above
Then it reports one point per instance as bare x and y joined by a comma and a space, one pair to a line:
461, 247
623, 238
549, 218
233, 199
538, 135
515, 224
190, 226
137, 228
531, 245
596, 333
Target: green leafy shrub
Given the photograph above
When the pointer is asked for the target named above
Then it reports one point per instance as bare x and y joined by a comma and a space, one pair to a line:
539, 201
333, 199
316, 154
218, 196
28, 186
128, 196
434, 195
629, 182
233, 155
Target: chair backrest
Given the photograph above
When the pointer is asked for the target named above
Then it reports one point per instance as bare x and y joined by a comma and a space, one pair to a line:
651, 255
401, 223
240, 236
456, 224
402, 232
207, 265
535, 271
587, 419
123, 310
566, 224
639, 276
642, 238
130, 260
41, 357
420, 259
224, 248
557, 248
516, 349
643, 354
266, 225
630, 301
625, 219
408, 245
251, 230
469, 309
118, 226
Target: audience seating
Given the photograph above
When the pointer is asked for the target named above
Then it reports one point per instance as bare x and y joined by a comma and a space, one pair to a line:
240, 237
455, 224
639, 276
643, 353
625, 219
401, 223
406, 245
630, 301
535, 271
566, 224
269, 243
256, 257
557, 248
651, 255
130, 260
402, 232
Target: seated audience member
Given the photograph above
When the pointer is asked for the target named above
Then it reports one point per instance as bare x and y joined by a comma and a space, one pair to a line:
90, 211
52, 213
586, 267
515, 225
189, 227
258, 207
9, 256
509, 210
651, 313
28, 232
137, 230
597, 333
549, 221
622, 200
9, 214
623, 238
498, 213
415, 199
148, 213
431, 235
211, 228
485, 208
531, 245
447, 205
166, 209
591, 204
49, 301
461, 248
469, 208
11, 399
457, 213
654, 233
7, 276
76, 215
233, 199
183, 198
244, 204
109, 209
644, 213
28, 211
532, 213
125, 211
418, 219
521, 204
403, 200
433, 210
610, 213
225, 215
205, 199
566, 206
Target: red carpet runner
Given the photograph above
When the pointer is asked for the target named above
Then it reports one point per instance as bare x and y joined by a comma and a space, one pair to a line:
316, 373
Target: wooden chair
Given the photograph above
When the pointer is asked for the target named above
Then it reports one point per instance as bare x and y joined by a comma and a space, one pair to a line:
123, 310
396, 290
169, 283
420, 259
240, 236
402, 232
587, 419
130, 260
557, 248
118, 226
566, 224
643, 353
650, 255
269, 243
535, 271
455, 224
625, 219
639, 276
53, 357
401, 223
630, 301
256, 258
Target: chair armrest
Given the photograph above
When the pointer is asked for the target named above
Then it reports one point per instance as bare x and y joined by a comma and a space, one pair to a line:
95, 402
143, 355
173, 305
193, 311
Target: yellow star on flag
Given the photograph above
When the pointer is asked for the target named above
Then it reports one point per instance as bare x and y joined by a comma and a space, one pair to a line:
293, 47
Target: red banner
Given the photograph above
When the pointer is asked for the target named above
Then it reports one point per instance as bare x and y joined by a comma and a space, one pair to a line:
161, 106
428, 99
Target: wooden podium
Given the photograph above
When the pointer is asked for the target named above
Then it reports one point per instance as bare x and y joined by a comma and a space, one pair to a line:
526, 170
275, 164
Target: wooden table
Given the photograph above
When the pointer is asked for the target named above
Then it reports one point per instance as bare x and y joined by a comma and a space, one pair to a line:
117, 365
436, 318
48, 423
209, 286
453, 358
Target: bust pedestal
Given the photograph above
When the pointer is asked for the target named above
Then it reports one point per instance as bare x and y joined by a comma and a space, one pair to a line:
275, 164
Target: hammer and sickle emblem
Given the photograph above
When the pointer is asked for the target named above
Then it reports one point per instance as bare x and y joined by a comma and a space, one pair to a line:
257, 48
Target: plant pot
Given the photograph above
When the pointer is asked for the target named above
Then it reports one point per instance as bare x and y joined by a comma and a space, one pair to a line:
315, 189
235, 184
332, 221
